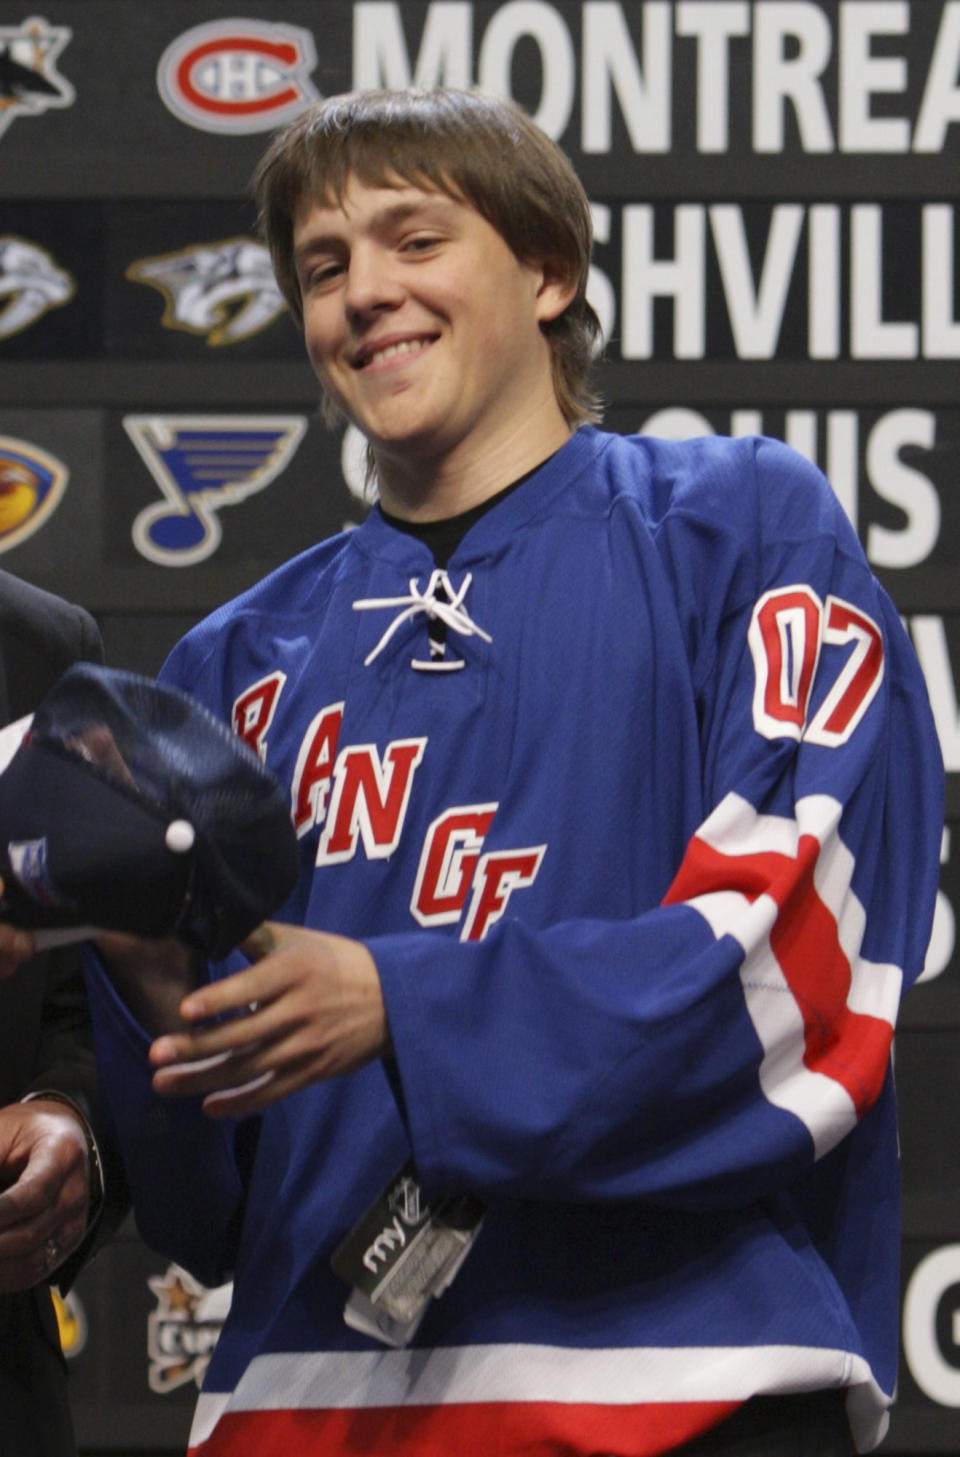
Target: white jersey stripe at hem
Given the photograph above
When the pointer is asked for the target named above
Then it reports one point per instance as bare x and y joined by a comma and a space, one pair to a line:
518, 1373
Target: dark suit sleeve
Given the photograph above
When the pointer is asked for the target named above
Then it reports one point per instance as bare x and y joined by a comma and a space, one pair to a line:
41, 638
65, 1063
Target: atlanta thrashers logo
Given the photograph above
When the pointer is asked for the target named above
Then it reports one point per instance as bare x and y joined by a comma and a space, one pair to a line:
31, 484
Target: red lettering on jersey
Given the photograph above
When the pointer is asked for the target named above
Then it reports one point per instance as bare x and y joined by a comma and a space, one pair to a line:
450, 852
498, 875
784, 638
313, 774
858, 681
369, 799
785, 635
254, 709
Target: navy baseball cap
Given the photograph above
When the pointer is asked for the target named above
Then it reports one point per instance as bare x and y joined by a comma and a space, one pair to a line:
128, 806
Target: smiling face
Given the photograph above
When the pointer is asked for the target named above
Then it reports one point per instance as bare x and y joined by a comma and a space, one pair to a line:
425, 330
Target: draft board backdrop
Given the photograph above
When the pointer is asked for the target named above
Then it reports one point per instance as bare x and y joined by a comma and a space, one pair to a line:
774, 187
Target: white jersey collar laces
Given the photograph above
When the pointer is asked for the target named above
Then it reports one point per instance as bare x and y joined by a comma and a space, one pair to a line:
439, 602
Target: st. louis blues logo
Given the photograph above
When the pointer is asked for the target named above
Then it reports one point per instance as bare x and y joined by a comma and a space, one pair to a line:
202, 463
238, 75
30, 284
31, 485
224, 290
29, 80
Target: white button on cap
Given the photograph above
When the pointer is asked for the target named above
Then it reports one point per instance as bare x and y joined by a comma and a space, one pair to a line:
180, 836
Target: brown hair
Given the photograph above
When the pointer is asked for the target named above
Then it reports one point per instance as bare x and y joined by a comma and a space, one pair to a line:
475, 148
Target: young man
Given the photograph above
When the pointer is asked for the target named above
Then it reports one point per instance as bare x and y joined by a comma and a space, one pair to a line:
619, 803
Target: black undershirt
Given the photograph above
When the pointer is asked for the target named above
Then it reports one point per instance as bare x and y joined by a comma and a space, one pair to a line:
443, 537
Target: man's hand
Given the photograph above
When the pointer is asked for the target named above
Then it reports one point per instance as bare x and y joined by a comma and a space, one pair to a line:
152, 977
46, 1195
15, 946
309, 1007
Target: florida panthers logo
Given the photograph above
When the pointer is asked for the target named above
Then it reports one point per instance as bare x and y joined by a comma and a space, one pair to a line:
30, 285
225, 291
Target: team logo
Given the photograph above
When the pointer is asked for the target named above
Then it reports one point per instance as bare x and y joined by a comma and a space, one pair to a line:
405, 1201
184, 1328
202, 463
71, 1322
225, 291
29, 80
30, 285
238, 75
30, 867
31, 484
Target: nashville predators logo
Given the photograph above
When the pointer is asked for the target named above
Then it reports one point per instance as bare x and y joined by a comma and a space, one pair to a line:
31, 485
71, 1322
30, 285
224, 291
184, 1328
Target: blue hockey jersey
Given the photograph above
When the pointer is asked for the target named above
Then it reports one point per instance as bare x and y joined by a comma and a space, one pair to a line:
646, 858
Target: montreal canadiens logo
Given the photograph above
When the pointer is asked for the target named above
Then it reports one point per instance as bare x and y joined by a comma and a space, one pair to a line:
238, 75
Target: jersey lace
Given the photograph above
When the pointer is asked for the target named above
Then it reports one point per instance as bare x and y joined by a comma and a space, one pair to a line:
440, 604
